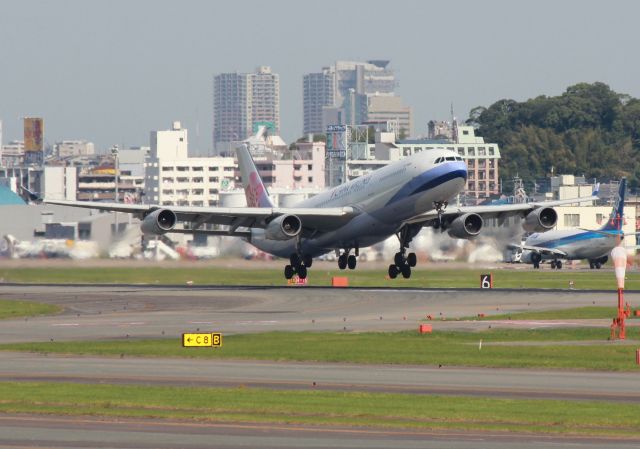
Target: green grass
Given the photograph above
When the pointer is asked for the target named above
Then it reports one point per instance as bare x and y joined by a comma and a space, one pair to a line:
18, 309
322, 408
578, 313
574, 348
422, 277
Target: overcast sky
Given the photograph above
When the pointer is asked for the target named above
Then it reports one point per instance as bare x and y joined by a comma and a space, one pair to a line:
111, 71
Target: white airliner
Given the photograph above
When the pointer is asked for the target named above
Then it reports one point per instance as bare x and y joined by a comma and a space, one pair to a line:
574, 244
397, 199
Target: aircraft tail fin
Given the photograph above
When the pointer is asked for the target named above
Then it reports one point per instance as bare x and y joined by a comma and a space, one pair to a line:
254, 189
616, 220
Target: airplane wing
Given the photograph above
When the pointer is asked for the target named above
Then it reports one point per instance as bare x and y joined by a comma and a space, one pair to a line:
544, 251
501, 211
320, 219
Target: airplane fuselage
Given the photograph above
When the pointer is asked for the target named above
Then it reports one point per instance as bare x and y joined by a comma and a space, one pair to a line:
577, 244
385, 198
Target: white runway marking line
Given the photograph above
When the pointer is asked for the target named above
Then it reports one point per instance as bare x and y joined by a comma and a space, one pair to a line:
66, 324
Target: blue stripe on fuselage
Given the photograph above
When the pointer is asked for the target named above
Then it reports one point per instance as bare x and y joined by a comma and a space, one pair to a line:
430, 179
574, 238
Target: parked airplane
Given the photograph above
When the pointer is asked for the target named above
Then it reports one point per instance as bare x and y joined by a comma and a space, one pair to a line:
397, 199
594, 245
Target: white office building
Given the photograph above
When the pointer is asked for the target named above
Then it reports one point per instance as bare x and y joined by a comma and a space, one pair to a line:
74, 148
174, 179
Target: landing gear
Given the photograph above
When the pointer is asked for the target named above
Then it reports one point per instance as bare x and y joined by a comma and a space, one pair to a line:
556, 264
535, 259
598, 263
298, 265
402, 262
440, 207
348, 260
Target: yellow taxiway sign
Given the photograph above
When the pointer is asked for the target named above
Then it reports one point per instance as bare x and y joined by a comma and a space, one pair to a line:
202, 340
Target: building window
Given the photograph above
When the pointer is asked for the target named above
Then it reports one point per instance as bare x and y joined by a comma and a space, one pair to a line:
167, 168
197, 192
572, 220
183, 179
181, 139
213, 168
214, 179
183, 168
472, 151
167, 180
491, 151
310, 179
310, 167
461, 151
197, 168
600, 218
229, 169
197, 203
167, 192
481, 151
197, 179
465, 132
213, 191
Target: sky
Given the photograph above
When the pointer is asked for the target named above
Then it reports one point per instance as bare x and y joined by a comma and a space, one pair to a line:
112, 71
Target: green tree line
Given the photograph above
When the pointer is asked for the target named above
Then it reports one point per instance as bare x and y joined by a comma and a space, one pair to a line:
588, 130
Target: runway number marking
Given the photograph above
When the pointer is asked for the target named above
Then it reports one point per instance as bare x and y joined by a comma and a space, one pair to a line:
486, 280
202, 340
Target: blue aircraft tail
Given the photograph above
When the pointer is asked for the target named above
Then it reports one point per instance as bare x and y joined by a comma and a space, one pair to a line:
616, 220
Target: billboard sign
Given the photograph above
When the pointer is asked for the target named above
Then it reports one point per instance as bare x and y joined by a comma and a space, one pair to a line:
33, 134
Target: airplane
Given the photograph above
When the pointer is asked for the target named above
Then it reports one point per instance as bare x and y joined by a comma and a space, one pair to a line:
399, 199
593, 245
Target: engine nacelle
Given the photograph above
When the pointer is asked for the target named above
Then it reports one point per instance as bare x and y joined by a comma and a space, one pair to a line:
466, 226
540, 220
284, 227
159, 222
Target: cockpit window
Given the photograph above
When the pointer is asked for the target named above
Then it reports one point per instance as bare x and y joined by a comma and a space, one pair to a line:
451, 158
438, 160
458, 158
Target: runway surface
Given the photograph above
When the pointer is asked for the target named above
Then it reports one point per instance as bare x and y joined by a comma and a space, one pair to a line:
90, 433
153, 312
107, 312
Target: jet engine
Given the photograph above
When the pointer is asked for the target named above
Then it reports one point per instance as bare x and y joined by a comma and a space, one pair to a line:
540, 220
159, 222
466, 226
284, 227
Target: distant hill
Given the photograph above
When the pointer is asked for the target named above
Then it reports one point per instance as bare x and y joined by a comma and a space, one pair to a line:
589, 130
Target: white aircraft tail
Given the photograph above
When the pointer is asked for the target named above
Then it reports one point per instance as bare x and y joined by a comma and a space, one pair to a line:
254, 189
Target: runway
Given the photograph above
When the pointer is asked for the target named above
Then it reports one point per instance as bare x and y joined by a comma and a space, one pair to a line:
108, 312
154, 312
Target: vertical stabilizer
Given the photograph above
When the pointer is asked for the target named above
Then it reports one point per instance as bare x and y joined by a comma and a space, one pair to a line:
616, 220
254, 189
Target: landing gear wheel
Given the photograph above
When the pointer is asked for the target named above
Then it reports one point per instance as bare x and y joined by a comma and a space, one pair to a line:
592, 265
393, 271
342, 261
352, 261
398, 259
553, 264
308, 261
535, 259
412, 260
406, 271
302, 272
598, 265
288, 271
559, 265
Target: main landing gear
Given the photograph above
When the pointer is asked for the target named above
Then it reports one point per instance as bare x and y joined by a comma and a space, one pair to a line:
298, 265
348, 260
402, 262
598, 263
556, 264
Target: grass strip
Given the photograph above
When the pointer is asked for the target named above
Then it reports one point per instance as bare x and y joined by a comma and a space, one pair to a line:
18, 309
578, 313
421, 277
573, 348
322, 408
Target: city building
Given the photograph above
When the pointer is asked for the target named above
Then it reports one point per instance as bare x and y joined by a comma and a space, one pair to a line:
352, 93
241, 102
172, 178
12, 154
319, 91
73, 148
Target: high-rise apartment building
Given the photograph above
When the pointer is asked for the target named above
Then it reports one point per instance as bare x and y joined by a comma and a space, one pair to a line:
242, 101
344, 94
319, 91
